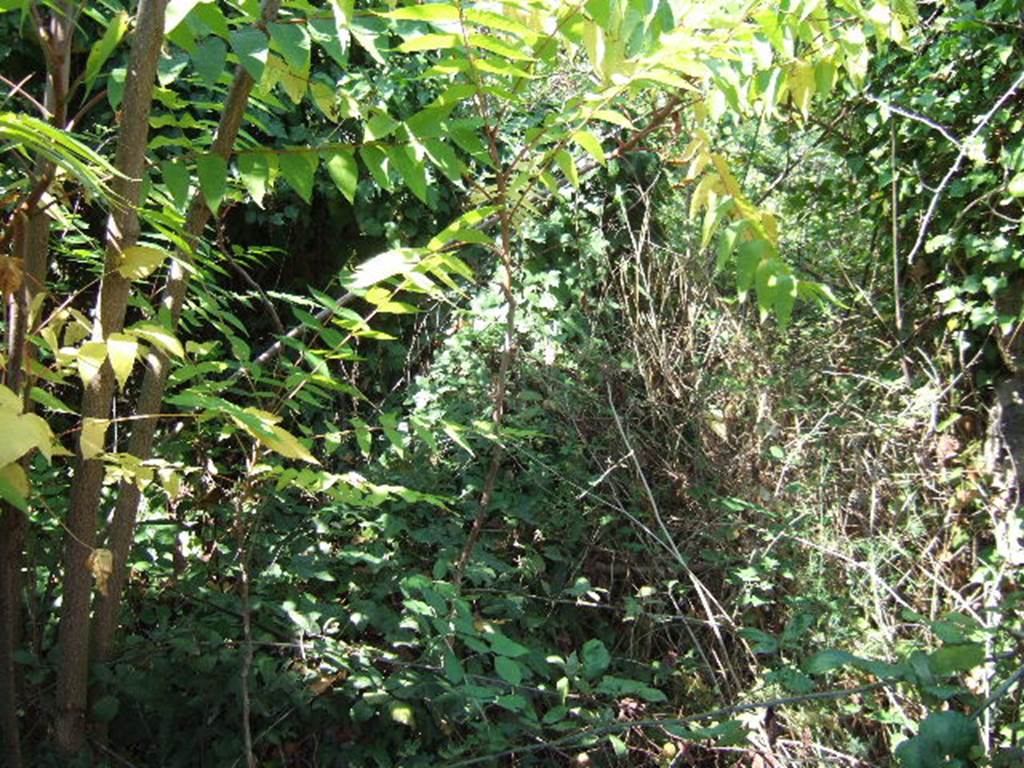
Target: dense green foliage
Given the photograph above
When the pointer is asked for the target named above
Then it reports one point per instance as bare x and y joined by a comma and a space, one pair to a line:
622, 382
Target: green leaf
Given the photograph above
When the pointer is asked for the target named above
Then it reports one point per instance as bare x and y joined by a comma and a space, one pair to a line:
962, 657
379, 126
213, 179
618, 687
50, 401
453, 668
106, 708
590, 144
100, 52
568, 166
941, 735
171, 66
444, 157
618, 746
595, 658
411, 169
252, 48
1016, 185
254, 169
176, 12
299, 170
505, 646
139, 261
508, 670
176, 178
344, 171
494, 45
825, 661
209, 58
292, 41
750, 255
377, 161
364, 438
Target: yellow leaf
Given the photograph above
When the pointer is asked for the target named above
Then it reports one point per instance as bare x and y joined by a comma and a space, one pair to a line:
101, 565
15, 476
8, 400
139, 261
158, 336
14, 486
20, 434
263, 427
121, 350
90, 359
802, 85
92, 437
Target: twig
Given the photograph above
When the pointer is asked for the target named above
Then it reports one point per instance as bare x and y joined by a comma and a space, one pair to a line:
930, 213
998, 693
923, 119
705, 596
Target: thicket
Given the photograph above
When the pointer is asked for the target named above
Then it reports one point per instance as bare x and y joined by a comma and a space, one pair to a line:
526, 383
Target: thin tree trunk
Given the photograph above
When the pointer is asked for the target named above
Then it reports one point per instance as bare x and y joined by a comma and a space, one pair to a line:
122, 232
140, 445
12, 527
31, 247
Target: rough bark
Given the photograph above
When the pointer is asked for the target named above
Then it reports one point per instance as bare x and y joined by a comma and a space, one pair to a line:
12, 527
31, 246
81, 523
122, 526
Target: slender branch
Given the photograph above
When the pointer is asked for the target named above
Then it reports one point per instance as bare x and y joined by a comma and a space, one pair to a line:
937, 196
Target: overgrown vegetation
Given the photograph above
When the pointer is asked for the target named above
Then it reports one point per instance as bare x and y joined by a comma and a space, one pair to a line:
613, 382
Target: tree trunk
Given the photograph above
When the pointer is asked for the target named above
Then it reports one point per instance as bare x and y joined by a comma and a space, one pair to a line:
31, 246
140, 445
122, 232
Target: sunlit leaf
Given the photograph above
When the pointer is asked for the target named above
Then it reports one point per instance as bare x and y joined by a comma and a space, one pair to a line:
93, 436
139, 261
121, 351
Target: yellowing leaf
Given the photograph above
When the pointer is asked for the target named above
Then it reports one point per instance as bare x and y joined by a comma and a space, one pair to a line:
14, 486
92, 438
432, 42
101, 565
90, 359
139, 261
158, 336
428, 12
802, 84
121, 351
263, 427
21, 433
8, 400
